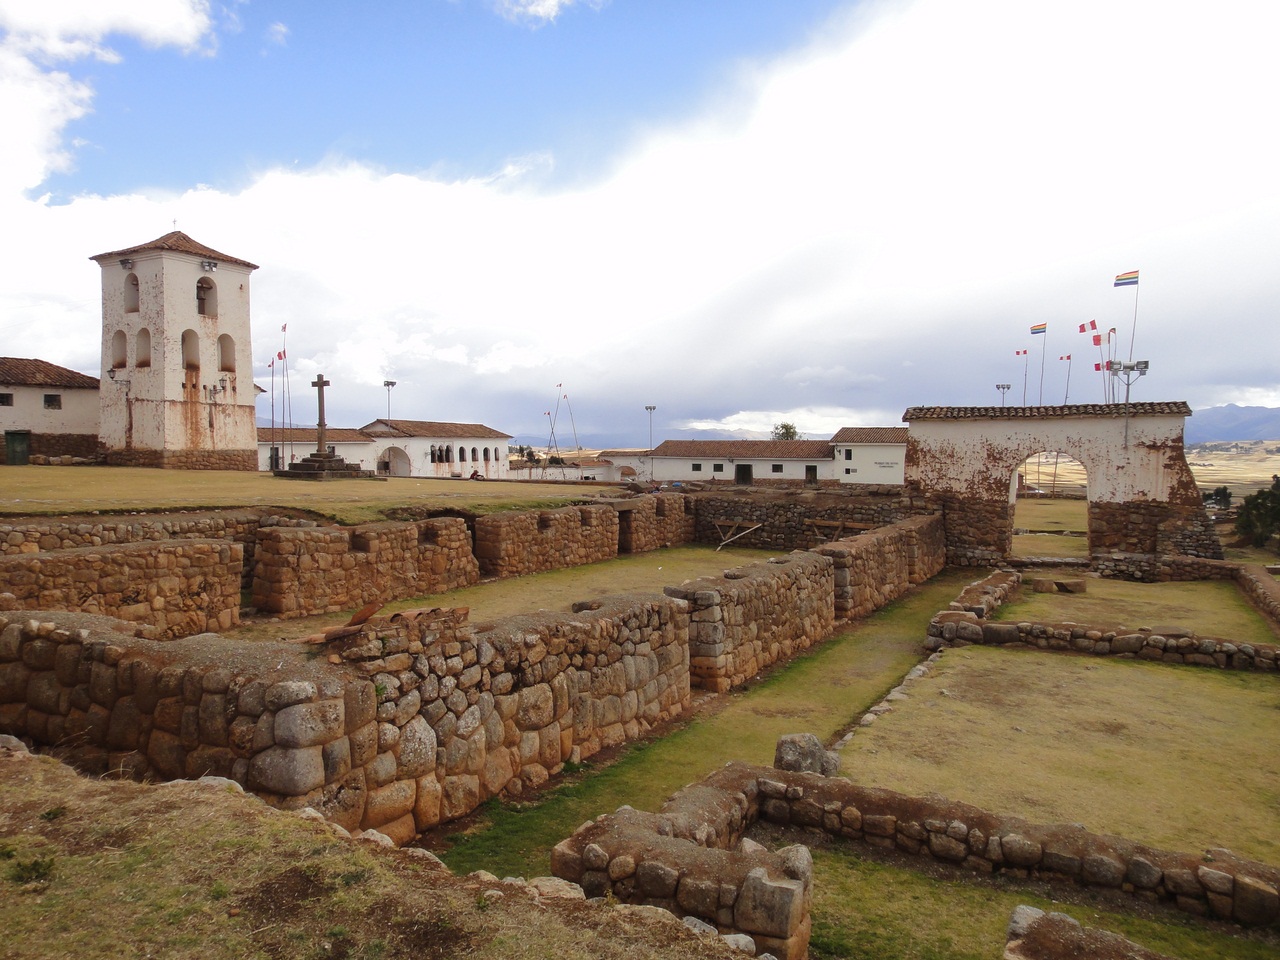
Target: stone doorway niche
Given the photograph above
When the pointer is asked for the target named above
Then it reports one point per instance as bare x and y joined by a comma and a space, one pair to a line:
1142, 496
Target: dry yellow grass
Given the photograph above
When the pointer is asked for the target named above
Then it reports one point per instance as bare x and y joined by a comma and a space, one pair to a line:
54, 490
1177, 757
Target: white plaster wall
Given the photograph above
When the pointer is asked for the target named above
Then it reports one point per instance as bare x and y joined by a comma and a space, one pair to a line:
358, 453
976, 457
871, 462
79, 413
667, 469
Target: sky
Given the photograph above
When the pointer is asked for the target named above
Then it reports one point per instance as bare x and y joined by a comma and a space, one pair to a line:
538, 213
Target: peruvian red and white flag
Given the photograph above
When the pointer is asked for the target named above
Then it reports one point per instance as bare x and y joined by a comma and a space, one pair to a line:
1065, 356
1019, 353
1091, 325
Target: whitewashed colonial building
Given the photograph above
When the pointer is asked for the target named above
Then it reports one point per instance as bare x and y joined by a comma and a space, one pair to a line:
855, 455
429, 448
46, 410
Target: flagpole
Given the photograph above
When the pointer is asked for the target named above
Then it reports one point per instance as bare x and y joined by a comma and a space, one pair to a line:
1043, 349
271, 456
1134, 329
1025, 364
1067, 395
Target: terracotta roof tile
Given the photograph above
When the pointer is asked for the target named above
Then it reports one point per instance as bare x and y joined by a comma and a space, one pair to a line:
432, 428
179, 242
307, 435
1178, 408
22, 372
870, 435
746, 449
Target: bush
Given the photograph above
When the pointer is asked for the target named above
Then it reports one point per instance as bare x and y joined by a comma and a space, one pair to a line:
1259, 515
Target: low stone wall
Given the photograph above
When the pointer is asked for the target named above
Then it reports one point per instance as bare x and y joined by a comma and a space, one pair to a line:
422, 718
688, 858
305, 570
1262, 589
185, 459
35, 534
966, 622
514, 544
81, 445
649, 523
1167, 647
756, 615
1218, 884
174, 588
877, 567
800, 523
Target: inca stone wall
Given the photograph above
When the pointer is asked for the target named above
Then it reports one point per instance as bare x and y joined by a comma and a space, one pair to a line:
173, 588
421, 719
302, 571
652, 522
689, 858
81, 445
37, 534
979, 532
877, 567
514, 544
185, 459
756, 615
799, 524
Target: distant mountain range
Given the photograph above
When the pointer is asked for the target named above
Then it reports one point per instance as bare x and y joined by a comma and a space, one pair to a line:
1233, 422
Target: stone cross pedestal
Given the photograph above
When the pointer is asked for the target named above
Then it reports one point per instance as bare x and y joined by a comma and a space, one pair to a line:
322, 465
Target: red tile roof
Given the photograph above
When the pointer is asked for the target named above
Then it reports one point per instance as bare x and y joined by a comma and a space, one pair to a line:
746, 449
1178, 408
870, 435
180, 242
432, 428
307, 435
21, 372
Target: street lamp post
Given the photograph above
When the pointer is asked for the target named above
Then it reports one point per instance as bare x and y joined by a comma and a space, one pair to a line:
650, 407
1003, 388
1130, 373
388, 384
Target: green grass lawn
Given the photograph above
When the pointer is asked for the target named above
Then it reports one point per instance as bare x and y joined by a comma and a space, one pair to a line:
1212, 608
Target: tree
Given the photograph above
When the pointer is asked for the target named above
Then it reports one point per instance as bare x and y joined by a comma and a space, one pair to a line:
1220, 498
1259, 515
785, 431
529, 455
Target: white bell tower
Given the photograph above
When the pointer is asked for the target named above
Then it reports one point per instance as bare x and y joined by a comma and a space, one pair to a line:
177, 370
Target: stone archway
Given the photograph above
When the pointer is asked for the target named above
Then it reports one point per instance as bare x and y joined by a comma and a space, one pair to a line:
398, 462
1142, 496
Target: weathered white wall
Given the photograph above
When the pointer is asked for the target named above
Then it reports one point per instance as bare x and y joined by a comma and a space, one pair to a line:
79, 413
870, 462
666, 469
979, 457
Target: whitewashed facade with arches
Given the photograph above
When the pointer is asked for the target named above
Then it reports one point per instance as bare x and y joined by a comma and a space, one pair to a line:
431, 448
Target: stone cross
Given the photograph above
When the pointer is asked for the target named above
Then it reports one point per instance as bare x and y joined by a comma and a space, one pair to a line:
320, 383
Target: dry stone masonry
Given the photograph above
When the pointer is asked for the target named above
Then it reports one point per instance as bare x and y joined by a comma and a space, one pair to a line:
514, 544
306, 570
172, 588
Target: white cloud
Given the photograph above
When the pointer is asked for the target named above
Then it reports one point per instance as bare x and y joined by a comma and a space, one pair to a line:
74, 28
278, 34
907, 196
541, 11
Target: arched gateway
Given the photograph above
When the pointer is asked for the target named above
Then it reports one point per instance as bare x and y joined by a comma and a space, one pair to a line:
1143, 498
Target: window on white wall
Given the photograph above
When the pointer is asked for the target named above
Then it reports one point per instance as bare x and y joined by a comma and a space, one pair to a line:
696, 467
776, 468
119, 348
6, 399
717, 468
53, 401
227, 353
142, 349
131, 293
190, 349
206, 297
